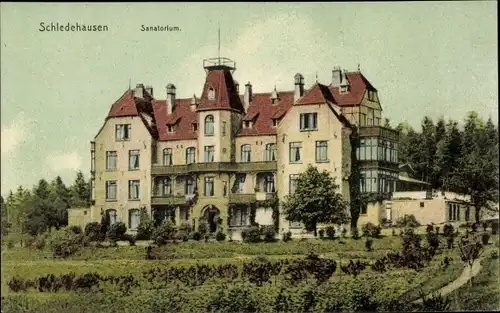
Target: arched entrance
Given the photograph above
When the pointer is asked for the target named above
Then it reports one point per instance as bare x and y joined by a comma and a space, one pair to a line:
211, 214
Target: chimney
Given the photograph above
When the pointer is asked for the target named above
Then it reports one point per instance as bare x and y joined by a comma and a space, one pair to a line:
139, 91
237, 86
247, 98
299, 87
336, 76
149, 90
194, 103
170, 98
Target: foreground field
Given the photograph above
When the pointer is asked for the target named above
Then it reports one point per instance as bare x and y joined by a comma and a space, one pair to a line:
381, 286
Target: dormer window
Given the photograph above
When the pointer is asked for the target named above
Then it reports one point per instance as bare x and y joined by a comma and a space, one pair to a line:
344, 89
247, 124
211, 93
275, 122
194, 126
171, 128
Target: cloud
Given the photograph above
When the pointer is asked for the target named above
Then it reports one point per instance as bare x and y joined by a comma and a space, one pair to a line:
14, 135
267, 53
64, 161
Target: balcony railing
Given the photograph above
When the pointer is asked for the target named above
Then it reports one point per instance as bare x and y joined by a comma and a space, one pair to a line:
378, 131
242, 198
169, 200
214, 167
262, 196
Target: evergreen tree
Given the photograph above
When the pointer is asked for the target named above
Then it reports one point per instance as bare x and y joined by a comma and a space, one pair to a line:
448, 155
426, 151
80, 192
3, 211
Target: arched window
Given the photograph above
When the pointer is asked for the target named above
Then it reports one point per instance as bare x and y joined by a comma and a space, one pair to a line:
134, 218
211, 93
246, 152
167, 156
190, 155
209, 125
112, 216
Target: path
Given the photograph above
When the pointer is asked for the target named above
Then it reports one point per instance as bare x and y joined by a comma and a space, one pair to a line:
460, 281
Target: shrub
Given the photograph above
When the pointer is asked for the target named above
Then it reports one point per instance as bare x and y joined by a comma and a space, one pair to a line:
485, 238
330, 232
17, 284
39, 242
93, 231
116, 231
207, 236
146, 226
432, 240
448, 230
75, 229
371, 230
429, 228
185, 238
394, 231
407, 221
368, 244
344, 232
287, 236
220, 236
130, 238
64, 243
203, 227
164, 232
196, 236
251, 235
437, 230
321, 233
494, 254
269, 233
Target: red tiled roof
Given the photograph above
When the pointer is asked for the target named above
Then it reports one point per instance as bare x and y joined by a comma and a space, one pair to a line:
317, 94
124, 106
226, 96
182, 113
358, 84
251, 116
261, 104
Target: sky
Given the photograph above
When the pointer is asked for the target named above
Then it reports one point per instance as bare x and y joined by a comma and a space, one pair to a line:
425, 58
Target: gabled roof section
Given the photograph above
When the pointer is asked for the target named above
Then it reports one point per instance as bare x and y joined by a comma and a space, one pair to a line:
358, 85
226, 96
266, 113
182, 115
318, 94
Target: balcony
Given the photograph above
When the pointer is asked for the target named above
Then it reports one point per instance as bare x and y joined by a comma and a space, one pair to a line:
262, 196
214, 167
379, 131
242, 198
169, 200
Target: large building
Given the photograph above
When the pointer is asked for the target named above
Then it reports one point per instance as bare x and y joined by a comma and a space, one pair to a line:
223, 154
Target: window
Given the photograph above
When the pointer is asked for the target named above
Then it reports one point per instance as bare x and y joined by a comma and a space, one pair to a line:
224, 128
270, 184
133, 159
246, 152
209, 186
240, 216
295, 148
371, 95
111, 190
370, 117
123, 132
275, 122
454, 212
363, 119
270, 152
92, 160
321, 151
167, 156
190, 155
240, 183
293, 183
308, 121
190, 186
368, 181
422, 204
166, 186
194, 126
387, 154
209, 125
133, 189
134, 218
171, 128
467, 213
209, 153
343, 89
112, 216
111, 160
211, 93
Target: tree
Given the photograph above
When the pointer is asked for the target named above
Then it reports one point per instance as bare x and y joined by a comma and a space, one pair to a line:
477, 172
5, 224
387, 123
80, 191
427, 151
447, 154
470, 249
315, 200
